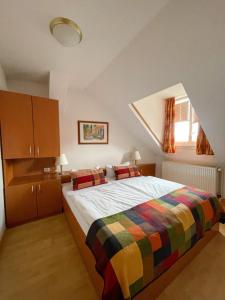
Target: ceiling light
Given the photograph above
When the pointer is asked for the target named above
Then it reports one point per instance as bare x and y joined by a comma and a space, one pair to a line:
65, 31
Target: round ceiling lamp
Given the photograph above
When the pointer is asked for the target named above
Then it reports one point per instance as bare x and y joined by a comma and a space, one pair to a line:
66, 31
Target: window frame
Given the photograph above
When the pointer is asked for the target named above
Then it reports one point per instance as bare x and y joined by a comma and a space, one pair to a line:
189, 143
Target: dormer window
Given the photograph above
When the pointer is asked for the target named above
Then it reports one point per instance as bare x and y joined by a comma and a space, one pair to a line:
186, 123
171, 121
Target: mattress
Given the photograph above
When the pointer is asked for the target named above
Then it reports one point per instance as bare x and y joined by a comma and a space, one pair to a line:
96, 202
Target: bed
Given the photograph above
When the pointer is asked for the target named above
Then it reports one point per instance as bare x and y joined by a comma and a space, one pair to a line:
91, 211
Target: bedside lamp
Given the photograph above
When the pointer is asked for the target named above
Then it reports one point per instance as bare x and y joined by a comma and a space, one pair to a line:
137, 156
61, 161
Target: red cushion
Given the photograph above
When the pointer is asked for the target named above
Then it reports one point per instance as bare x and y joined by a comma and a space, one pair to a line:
85, 178
122, 172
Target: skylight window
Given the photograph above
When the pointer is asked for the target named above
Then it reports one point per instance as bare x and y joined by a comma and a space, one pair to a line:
151, 112
186, 123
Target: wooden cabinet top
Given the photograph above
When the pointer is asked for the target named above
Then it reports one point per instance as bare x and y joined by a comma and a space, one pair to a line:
24, 94
33, 179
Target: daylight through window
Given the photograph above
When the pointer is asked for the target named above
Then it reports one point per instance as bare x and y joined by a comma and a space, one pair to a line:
186, 123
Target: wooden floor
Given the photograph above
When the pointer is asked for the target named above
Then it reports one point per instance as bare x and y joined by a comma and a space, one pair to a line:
204, 278
40, 261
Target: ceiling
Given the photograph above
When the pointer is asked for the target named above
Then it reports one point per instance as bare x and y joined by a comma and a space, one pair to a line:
184, 43
28, 51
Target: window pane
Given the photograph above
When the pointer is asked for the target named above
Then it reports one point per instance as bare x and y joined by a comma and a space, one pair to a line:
182, 131
182, 111
194, 133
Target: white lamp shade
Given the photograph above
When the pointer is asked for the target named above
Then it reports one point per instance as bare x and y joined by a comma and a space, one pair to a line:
137, 155
62, 160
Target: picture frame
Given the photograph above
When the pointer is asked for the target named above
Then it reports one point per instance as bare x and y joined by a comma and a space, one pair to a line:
93, 132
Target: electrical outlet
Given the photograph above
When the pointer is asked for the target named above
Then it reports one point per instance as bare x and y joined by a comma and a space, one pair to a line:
47, 170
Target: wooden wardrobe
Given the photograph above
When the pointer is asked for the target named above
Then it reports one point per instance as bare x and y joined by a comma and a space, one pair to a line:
29, 143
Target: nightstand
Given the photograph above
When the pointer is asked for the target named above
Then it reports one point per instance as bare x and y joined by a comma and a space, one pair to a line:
65, 177
146, 169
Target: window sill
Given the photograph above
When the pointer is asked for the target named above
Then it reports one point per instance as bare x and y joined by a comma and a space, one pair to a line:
188, 147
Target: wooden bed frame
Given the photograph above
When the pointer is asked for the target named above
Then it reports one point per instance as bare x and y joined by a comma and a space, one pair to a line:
153, 290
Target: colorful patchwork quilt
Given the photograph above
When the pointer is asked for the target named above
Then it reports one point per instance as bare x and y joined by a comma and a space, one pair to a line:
135, 246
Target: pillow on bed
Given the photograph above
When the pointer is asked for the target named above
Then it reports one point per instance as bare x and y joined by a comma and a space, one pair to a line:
110, 173
86, 178
122, 172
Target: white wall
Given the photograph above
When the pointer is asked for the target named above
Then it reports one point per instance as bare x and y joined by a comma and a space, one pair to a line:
3, 86
188, 155
184, 43
78, 105
29, 87
153, 112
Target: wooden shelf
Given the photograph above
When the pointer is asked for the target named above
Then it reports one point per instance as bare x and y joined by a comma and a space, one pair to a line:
33, 179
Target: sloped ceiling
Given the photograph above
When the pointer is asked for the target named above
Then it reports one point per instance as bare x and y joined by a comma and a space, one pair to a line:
184, 43
131, 49
29, 52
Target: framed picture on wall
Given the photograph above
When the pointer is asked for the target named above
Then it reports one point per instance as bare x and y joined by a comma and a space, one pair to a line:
92, 132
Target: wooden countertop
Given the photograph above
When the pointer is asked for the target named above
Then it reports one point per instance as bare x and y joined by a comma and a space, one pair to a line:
33, 179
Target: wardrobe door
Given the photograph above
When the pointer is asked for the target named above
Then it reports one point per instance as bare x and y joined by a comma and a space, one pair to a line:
46, 127
49, 197
21, 205
16, 125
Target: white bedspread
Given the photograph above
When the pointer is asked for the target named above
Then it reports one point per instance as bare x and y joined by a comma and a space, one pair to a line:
100, 201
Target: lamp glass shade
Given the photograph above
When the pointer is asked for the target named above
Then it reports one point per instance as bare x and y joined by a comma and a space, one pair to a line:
66, 31
137, 155
62, 160
66, 35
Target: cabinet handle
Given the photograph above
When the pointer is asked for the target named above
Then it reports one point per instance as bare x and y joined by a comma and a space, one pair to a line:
32, 188
39, 188
30, 149
38, 151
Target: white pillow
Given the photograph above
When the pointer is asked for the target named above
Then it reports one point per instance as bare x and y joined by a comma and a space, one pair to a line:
110, 171
127, 163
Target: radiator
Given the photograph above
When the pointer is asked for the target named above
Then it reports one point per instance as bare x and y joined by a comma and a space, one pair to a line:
205, 178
